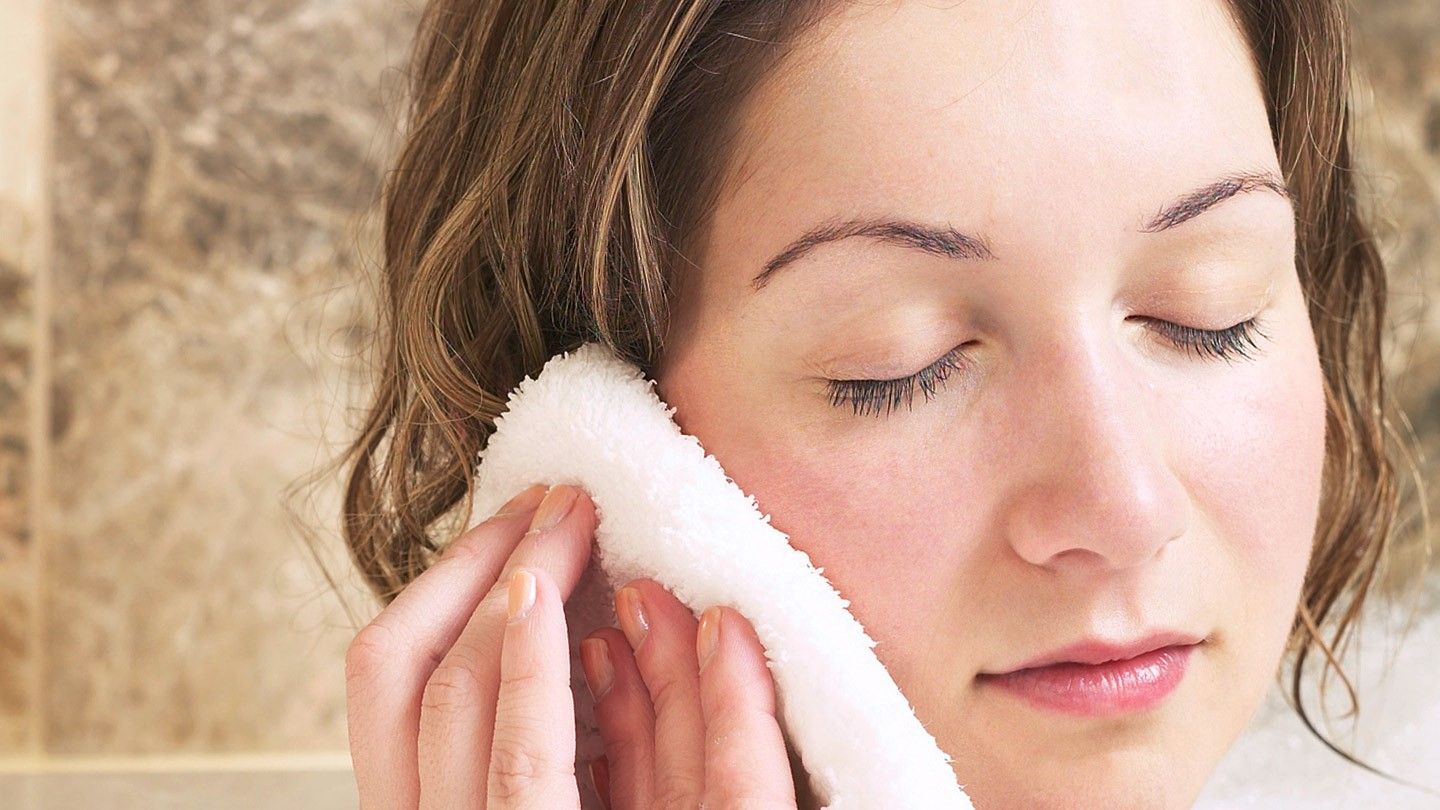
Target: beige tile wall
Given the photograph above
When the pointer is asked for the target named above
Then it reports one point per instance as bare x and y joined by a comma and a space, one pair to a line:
210, 159
209, 166
165, 366
24, 262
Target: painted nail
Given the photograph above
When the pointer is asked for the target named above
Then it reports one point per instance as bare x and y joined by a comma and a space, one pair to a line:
554, 508
709, 636
525, 502
595, 661
632, 616
522, 594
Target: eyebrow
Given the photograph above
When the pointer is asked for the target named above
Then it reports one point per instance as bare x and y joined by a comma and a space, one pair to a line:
948, 242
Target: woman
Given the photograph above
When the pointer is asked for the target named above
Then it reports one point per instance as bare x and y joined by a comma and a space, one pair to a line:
1049, 330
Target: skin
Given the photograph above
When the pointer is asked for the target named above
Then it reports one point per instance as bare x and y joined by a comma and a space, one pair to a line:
1078, 475
1081, 475
458, 693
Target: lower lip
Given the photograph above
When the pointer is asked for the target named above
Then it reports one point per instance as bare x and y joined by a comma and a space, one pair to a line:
1116, 687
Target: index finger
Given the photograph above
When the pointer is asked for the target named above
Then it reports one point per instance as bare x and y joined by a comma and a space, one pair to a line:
390, 659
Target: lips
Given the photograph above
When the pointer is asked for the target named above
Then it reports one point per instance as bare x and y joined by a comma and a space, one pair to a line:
1094, 677
1100, 651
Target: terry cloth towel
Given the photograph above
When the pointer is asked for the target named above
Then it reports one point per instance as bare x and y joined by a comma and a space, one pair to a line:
667, 511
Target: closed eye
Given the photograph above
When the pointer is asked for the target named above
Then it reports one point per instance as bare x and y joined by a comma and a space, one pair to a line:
1223, 344
883, 396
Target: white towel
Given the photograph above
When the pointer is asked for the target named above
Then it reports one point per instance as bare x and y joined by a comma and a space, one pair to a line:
666, 510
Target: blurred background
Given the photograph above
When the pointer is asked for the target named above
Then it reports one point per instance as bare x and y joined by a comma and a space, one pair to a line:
187, 238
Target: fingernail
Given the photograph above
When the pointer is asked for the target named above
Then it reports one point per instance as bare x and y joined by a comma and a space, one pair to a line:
709, 636
554, 508
522, 594
600, 778
595, 661
525, 501
632, 616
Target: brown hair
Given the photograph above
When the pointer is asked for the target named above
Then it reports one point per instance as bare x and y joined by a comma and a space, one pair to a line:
559, 155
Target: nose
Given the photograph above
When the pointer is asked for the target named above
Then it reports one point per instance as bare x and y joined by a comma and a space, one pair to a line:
1095, 490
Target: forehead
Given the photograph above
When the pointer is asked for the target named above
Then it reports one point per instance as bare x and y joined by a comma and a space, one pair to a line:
1031, 115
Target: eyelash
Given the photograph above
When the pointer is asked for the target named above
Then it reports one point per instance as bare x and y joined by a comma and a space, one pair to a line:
874, 395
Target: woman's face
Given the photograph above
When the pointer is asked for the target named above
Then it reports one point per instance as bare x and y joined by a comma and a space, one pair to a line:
1077, 475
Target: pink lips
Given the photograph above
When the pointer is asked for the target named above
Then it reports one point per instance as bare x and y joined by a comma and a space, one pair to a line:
1126, 685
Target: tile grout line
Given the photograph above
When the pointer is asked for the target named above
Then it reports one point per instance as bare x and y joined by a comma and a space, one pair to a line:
41, 368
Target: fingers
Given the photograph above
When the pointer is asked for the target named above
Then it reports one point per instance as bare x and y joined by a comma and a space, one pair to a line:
746, 764
625, 717
661, 631
458, 704
676, 734
532, 757
391, 658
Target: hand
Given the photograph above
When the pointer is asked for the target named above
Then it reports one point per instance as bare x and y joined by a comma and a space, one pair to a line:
452, 701
458, 693
684, 727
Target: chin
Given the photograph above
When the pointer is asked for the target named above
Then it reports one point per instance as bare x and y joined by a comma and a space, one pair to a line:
1157, 761
1138, 780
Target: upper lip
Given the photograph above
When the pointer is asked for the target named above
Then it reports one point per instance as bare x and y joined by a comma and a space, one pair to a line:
1099, 651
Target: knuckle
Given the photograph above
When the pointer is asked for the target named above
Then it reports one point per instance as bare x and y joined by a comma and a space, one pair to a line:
517, 766
452, 687
465, 550
520, 694
368, 653
669, 691
525, 684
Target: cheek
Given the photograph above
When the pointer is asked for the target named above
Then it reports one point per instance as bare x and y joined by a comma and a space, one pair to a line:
1255, 469
833, 502
874, 525
833, 498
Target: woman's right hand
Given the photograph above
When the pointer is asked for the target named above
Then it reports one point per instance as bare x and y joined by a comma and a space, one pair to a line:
442, 712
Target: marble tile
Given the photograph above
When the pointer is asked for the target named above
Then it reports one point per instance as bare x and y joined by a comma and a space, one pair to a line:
211, 164
23, 261
17, 574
